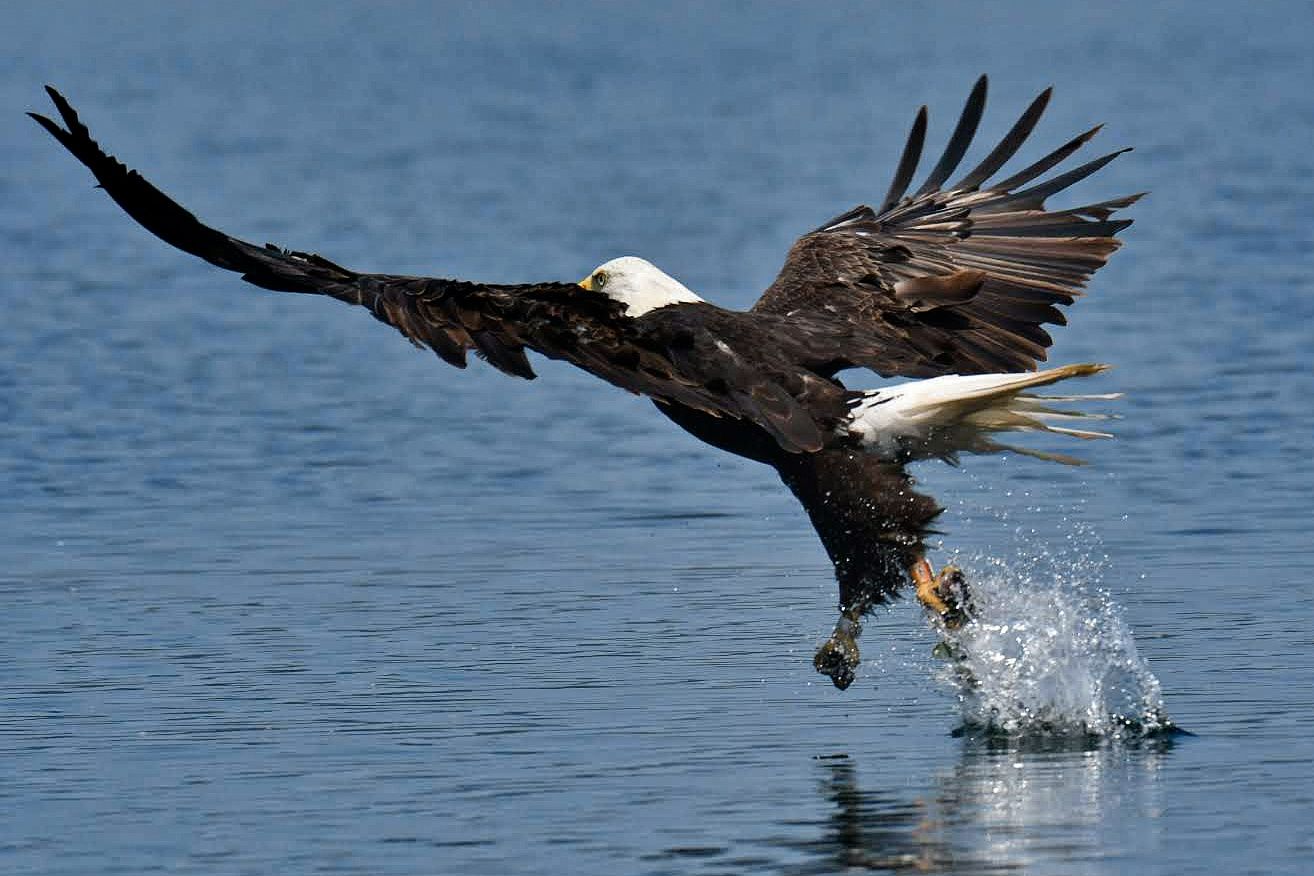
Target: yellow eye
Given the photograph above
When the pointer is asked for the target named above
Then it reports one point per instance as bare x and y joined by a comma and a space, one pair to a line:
600, 279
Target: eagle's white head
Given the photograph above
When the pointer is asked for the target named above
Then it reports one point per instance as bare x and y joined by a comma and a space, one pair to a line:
638, 284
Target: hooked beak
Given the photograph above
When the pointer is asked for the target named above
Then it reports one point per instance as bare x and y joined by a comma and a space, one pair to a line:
587, 283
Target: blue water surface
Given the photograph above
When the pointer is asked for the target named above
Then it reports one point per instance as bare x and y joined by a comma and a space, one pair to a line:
282, 594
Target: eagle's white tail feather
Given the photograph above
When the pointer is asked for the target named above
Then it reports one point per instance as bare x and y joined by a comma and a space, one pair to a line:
945, 416
1093, 396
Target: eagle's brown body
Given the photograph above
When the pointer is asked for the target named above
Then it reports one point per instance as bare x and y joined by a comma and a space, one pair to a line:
952, 279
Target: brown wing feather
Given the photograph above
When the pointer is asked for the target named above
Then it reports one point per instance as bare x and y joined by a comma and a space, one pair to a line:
653, 355
958, 279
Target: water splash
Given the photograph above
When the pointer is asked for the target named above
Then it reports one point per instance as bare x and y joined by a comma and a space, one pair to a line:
1044, 654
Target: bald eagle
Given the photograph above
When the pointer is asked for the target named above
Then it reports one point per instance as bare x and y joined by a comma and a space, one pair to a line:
949, 285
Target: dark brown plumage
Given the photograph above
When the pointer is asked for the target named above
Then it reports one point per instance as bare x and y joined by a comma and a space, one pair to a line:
951, 279
669, 354
1002, 261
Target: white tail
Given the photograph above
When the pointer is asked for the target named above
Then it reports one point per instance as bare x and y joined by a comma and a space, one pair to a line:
945, 416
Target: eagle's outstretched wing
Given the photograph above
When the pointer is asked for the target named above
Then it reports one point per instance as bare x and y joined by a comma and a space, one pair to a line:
665, 359
955, 278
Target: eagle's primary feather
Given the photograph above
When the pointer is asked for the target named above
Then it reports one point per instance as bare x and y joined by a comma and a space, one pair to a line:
1002, 260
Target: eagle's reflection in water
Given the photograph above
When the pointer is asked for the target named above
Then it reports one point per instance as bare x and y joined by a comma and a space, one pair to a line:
1006, 805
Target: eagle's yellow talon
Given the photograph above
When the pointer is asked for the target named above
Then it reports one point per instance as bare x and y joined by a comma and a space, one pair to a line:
944, 594
951, 587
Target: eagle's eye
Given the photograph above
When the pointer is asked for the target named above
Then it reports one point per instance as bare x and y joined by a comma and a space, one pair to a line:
600, 279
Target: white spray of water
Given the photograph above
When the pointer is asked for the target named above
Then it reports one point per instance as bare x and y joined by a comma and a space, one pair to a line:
1046, 654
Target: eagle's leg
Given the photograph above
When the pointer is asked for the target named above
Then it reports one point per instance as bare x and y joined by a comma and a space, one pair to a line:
838, 657
944, 595
872, 523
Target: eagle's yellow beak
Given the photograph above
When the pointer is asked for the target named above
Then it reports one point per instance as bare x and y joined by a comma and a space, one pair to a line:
587, 283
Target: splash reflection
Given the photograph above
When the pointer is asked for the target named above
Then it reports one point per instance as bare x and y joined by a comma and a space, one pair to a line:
1006, 805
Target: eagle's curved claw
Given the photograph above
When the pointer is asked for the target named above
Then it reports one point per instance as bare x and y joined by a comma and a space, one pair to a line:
944, 594
951, 587
838, 656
